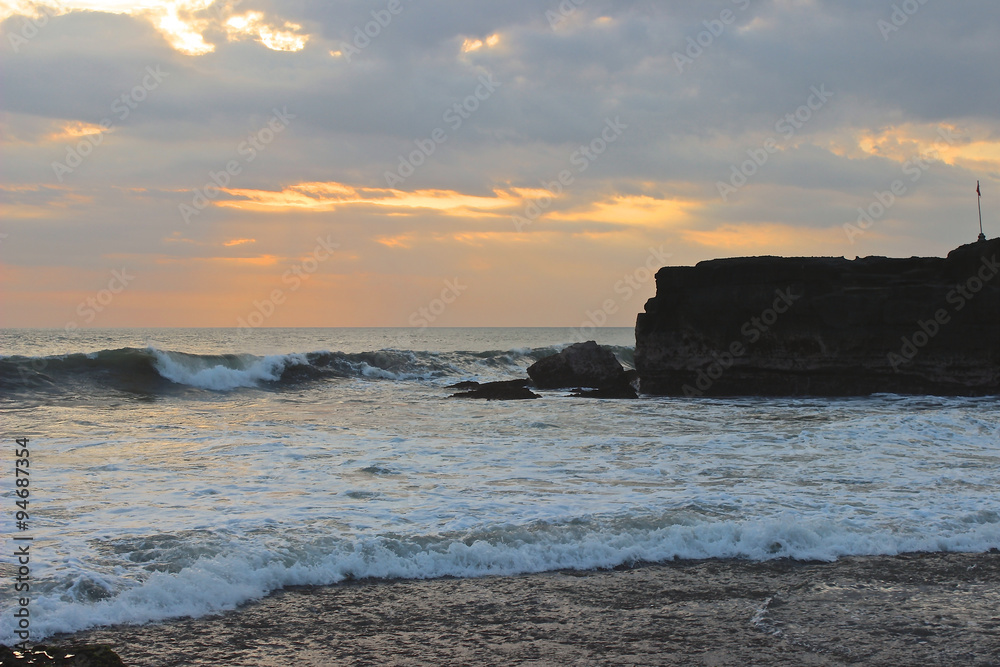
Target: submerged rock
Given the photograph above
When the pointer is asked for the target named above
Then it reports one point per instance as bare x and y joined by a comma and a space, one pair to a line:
511, 390
778, 326
583, 365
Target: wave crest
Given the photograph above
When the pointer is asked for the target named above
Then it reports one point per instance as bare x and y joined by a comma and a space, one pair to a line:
153, 371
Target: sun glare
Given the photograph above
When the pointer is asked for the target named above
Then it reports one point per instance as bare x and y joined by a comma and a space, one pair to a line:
633, 211
330, 196
255, 25
470, 45
74, 130
185, 36
183, 23
949, 144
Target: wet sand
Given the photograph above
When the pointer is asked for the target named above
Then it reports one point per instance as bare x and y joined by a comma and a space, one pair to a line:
920, 609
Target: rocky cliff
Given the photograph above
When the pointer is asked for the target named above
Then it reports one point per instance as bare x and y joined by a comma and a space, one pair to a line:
824, 326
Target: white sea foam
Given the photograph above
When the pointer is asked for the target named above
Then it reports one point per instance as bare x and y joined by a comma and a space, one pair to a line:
249, 570
248, 371
202, 500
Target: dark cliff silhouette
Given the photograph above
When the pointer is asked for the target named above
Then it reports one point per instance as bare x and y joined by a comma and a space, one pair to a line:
774, 326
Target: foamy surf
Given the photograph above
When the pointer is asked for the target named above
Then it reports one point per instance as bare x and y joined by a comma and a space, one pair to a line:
135, 369
177, 483
250, 569
218, 375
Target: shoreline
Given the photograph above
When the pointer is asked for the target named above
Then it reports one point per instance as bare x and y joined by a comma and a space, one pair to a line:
925, 608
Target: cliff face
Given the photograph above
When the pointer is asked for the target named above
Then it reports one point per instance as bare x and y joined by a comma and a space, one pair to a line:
772, 326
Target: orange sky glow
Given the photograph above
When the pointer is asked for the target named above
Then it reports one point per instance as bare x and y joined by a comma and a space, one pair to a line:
522, 188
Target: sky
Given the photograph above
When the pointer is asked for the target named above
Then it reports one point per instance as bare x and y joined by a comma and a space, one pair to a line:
471, 163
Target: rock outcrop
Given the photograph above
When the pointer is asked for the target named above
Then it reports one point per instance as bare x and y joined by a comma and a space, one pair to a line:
510, 390
592, 370
92, 655
583, 365
772, 326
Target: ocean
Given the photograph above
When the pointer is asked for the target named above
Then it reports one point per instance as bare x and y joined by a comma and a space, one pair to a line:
183, 472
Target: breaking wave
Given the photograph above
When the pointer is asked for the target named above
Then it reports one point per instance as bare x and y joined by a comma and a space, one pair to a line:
152, 371
218, 576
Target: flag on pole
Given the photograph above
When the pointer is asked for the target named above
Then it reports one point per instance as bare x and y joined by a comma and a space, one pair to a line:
982, 237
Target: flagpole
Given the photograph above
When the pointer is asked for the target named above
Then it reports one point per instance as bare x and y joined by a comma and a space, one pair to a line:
982, 237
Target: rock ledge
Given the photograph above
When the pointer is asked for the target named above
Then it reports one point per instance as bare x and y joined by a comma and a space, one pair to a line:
825, 326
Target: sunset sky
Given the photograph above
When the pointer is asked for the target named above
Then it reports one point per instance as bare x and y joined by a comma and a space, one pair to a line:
472, 163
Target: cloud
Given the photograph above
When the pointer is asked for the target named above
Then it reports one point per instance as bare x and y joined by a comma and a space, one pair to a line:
77, 89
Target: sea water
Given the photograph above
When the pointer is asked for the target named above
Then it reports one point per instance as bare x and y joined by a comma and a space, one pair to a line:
181, 472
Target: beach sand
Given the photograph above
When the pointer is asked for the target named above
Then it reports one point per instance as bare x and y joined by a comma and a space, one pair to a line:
919, 609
